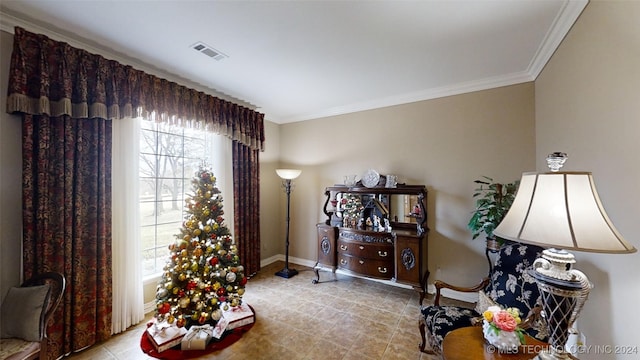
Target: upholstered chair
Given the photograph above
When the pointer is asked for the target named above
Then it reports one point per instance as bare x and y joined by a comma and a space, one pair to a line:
509, 285
26, 311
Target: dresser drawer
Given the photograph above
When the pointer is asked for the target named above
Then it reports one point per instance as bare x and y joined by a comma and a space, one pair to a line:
382, 269
377, 251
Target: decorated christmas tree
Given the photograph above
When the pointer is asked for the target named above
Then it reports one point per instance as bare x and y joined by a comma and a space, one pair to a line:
352, 210
203, 274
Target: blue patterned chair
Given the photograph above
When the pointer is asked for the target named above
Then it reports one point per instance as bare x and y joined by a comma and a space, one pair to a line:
509, 285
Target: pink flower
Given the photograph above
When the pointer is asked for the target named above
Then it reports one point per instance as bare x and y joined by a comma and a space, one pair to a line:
505, 321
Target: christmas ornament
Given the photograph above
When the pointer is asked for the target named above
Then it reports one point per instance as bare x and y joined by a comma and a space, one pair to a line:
162, 293
184, 302
180, 322
164, 308
231, 277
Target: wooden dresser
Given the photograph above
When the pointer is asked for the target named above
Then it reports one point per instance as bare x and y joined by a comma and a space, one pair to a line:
396, 252
366, 253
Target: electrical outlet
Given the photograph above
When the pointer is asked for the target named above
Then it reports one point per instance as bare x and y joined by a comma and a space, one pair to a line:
576, 343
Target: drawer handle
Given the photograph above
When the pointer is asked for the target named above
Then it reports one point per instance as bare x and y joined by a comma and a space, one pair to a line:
361, 262
382, 270
343, 262
382, 253
343, 247
361, 247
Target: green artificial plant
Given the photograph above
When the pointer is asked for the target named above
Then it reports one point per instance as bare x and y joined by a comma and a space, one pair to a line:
493, 200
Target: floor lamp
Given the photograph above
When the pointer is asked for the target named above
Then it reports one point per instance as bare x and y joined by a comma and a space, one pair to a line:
560, 211
287, 175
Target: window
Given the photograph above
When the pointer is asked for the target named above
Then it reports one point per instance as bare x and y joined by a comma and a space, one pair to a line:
169, 157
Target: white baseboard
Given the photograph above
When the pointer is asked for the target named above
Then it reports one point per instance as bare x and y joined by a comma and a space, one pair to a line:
149, 307
271, 260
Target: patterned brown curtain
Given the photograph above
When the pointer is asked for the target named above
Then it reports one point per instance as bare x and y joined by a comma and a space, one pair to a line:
54, 78
68, 98
246, 195
67, 222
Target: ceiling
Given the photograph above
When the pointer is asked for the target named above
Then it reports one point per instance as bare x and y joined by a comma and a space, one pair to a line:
300, 60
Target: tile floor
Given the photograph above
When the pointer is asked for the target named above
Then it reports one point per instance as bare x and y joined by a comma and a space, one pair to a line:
348, 319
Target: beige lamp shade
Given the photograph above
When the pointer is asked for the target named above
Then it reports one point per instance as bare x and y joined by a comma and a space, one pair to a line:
561, 210
288, 174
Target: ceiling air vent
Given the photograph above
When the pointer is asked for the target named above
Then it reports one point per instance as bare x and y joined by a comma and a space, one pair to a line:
208, 50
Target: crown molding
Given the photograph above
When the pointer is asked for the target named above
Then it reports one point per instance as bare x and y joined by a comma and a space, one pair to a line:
557, 32
9, 21
429, 94
563, 22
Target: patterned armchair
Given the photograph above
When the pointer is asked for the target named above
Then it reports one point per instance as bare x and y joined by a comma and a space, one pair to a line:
509, 285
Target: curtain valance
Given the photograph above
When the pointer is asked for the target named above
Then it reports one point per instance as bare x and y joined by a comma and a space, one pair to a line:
54, 78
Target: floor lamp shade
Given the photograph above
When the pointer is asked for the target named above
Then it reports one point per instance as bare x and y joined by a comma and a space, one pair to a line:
288, 174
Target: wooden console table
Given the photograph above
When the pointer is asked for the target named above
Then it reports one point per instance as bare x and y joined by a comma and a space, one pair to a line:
468, 343
397, 252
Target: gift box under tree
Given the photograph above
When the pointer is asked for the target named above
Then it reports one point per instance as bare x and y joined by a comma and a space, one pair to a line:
197, 338
164, 336
239, 316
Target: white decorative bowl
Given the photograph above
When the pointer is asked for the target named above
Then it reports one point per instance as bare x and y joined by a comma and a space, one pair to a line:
504, 341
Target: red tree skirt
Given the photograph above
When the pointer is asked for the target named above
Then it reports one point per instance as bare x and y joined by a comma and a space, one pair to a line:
175, 353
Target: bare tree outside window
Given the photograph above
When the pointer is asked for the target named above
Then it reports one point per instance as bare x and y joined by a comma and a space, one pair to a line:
169, 157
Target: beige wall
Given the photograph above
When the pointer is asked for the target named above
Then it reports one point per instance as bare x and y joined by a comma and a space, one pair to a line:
10, 180
588, 105
444, 144
272, 205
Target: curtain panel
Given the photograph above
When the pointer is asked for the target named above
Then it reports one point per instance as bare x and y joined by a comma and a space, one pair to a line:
51, 77
246, 196
66, 196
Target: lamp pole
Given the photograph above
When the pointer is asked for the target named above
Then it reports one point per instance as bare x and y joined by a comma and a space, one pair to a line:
287, 175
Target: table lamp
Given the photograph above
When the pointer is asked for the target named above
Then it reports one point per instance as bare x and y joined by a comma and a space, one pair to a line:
560, 211
287, 175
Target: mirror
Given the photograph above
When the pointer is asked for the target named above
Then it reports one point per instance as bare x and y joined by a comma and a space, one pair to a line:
401, 208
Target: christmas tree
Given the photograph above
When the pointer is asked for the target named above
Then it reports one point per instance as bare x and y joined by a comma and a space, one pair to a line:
203, 273
352, 206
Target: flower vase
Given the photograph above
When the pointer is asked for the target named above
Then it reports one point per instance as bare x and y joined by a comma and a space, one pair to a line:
504, 341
